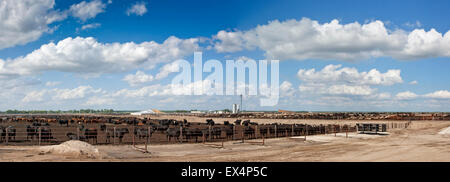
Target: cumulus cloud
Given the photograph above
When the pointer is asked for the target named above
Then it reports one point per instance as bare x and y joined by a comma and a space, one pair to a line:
287, 89
34, 96
24, 21
309, 39
167, 69
349, 90
339, 74
345, 81
406, 95
413, 82
88, 56
139, 78
52, 84
87, 10
76, 93
440, 94
58, 94
138, 9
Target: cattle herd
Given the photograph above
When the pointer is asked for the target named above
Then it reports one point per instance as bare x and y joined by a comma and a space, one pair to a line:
53, 129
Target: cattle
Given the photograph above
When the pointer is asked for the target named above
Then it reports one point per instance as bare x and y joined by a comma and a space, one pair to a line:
237, 122
90, 133
190, 133
10, 130
172, 133
32, 132
249, 132
72, 136
63, 122
46, 134
210, 122
228, 129
161, 128
216, 133
117, 133
143, 132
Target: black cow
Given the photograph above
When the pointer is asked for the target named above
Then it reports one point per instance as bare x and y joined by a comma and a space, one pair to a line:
11, 133
172, 133
119, 133
210, 122
46, 134
90, 133
32, 132
143, 132
64, 122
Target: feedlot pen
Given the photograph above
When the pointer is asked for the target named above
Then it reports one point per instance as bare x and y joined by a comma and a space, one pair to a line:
151, 132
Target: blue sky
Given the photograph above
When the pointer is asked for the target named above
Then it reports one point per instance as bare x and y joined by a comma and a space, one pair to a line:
355, 37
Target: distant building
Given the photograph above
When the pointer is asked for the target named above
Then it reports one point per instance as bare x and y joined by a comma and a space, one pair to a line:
235, 108
143, 113
197, 112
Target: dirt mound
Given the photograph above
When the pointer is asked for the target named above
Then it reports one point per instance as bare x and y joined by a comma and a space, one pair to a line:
445, 131
74, 148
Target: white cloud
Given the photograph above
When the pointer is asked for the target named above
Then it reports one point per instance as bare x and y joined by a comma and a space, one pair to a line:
440, 94
34, 96
406, 95
413, 82
87, 10
100, 101
87, 56
286, 89
167, 69
335, 80
308, 39
90, 26
349, 90
76, 93
24, 21
139, 78
337, 74
52, 84
137, 9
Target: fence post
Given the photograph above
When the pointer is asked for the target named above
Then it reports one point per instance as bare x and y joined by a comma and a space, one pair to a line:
134, 136
292, 128
7, 135
78, 132
234, 131
335, 130
276, 134
181, 134
242, 135
149, 133
114, 136
306, 130
39, 136
263, 139
256, 132
203, 137
209, 133
346, 131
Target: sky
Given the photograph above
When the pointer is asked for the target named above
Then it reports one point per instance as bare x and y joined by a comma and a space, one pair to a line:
345, 55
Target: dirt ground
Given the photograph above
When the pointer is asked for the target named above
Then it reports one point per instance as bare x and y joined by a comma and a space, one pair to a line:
419, 142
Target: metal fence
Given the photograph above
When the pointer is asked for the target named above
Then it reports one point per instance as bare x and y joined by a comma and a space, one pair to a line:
25, 133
